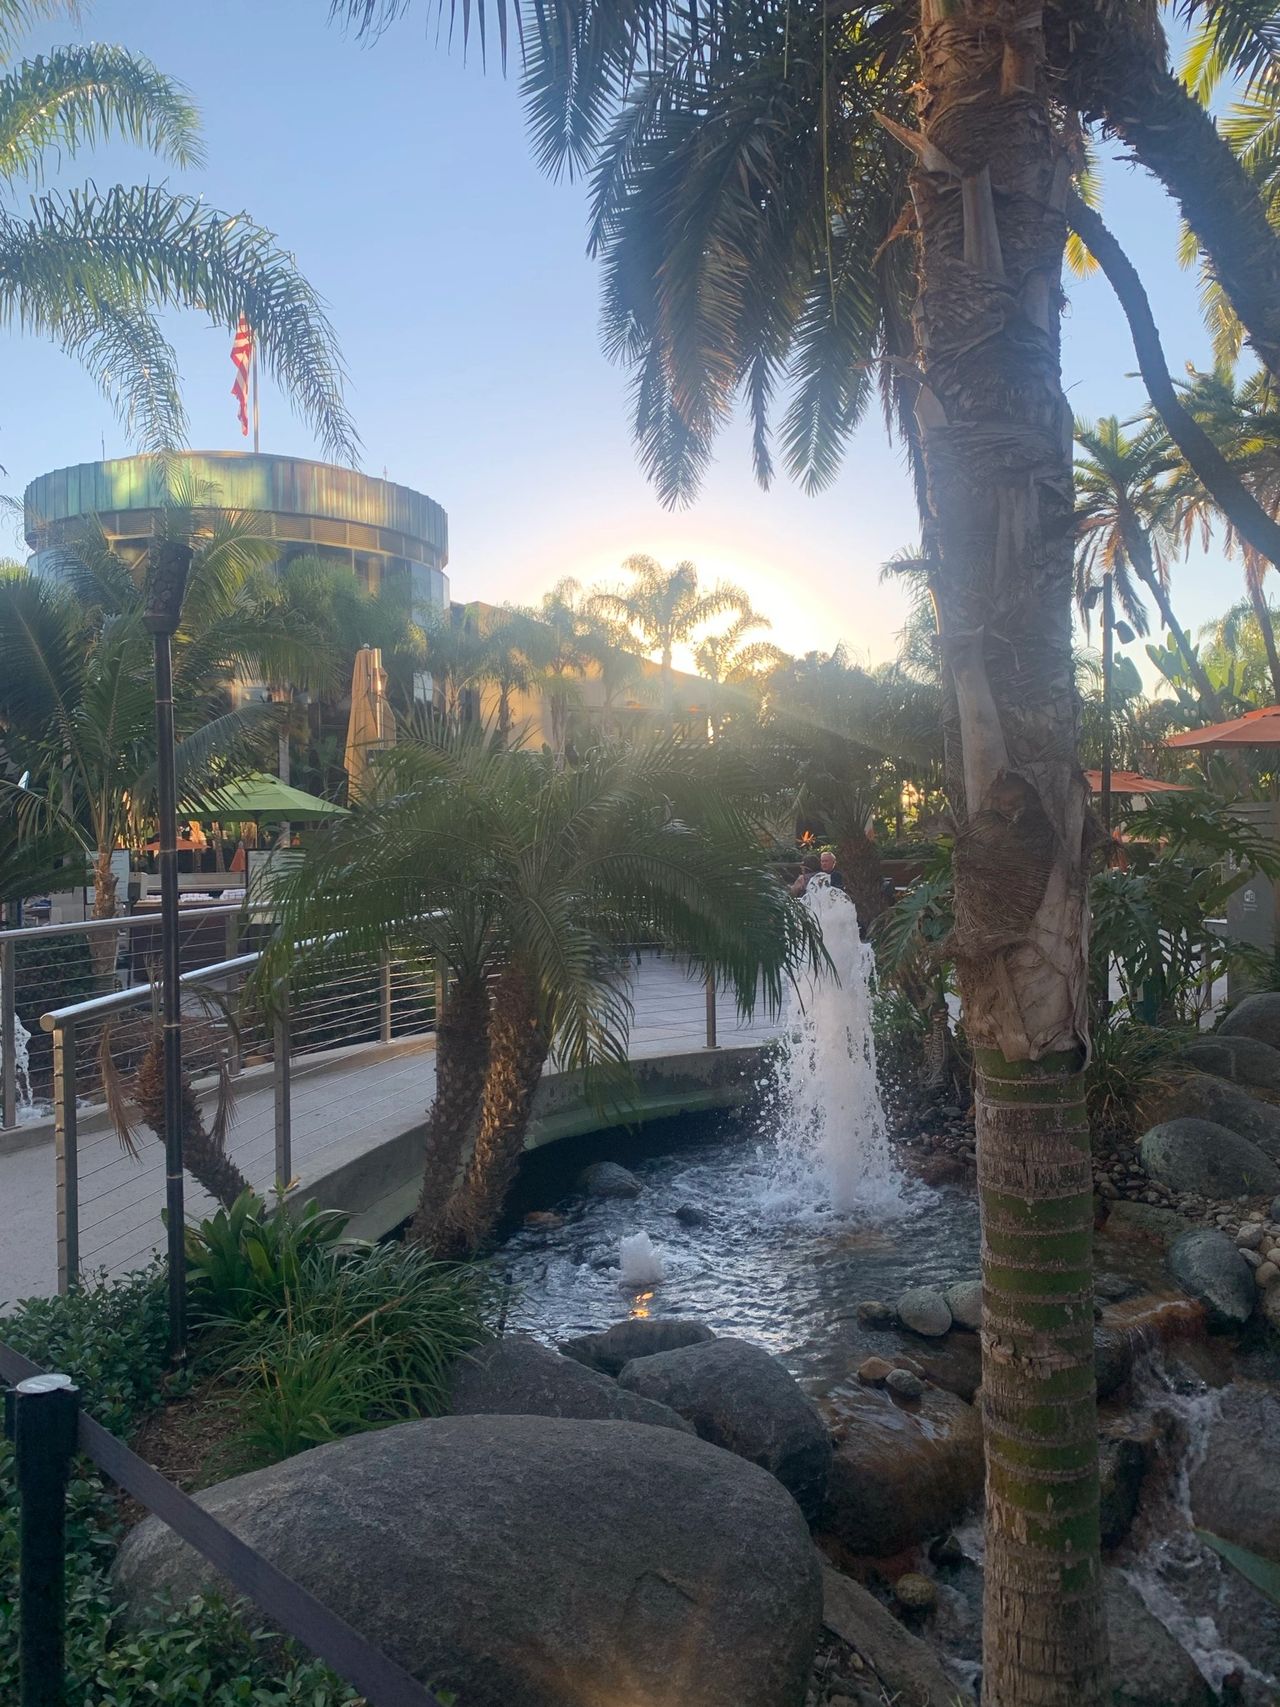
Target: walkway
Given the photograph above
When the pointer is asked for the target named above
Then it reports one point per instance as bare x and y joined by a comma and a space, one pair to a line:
346, 1103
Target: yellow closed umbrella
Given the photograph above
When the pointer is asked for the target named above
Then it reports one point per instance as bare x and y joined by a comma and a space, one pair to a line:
371, 727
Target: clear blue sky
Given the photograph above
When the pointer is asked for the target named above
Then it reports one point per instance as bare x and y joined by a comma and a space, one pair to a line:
457, 278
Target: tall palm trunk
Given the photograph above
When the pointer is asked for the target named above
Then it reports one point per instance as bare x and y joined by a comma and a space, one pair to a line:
1138, 546
204, 1155
989, 189
462, 1060
859, 860
518, 1047
103, 944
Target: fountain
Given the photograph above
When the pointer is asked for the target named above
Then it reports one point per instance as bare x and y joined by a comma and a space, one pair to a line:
22, 1067
832, 1142
641, 1261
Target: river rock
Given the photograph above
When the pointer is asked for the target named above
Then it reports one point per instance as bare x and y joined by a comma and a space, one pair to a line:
964, 1300
608, 1179
1146, 1221
1149, 1667
621, 1344
954, 1363
904, 1385
1199, 1096
915, 1593
1244, 1060
689, 1215
1269, 1309
874, 1371
1235, 1489
1257, 1016
742, 1398
532, 1561
901, 1474
873, 1314
517, 1377
924, 1310
907, 1670
1208, 1159
1206, 1265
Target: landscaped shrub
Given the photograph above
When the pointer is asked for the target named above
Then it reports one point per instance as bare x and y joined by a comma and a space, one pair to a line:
1127, 1056
246, 1261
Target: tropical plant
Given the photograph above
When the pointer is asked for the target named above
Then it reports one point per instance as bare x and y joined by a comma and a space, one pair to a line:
246, 1260
89, 269
569, 643
527, 880
664, 608
733, 660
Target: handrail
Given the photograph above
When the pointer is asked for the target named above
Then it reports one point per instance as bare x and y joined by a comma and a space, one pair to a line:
123, 922
58, 1019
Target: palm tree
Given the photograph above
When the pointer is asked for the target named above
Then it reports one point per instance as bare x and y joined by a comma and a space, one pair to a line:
1127, 524
665, 608
734, 660
568, 643
89, 269
529, 880
76, 700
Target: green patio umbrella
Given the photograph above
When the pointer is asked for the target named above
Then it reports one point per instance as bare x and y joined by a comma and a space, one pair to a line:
261, 796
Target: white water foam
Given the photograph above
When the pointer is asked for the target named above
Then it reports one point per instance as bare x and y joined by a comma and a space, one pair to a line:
22, 1069
832, 1152
640, 1261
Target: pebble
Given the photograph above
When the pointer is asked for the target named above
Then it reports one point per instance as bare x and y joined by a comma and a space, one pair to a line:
915, 1592
904, 1385
1250, 1236
873, 1314
874, 1372
924, 1310
1251, 1257
689, 1215
1274, 1211
1265, 1273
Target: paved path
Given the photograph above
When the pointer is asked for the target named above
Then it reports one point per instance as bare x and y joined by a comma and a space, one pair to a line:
364, 1095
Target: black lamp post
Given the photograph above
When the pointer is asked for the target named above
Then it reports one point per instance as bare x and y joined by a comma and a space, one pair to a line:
166, 584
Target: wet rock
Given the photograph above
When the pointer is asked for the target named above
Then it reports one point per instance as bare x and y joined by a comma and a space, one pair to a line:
1250, 1236
1122, 1463
1142, 1221
874, 1372
689, 1215
904, 1385
964, 1300
1113, 1287
1200, 1096
518, 1377
1244, 1060
1201, 1156
954, 1363
946, 1551
1149, 1667
901, 1474
924, 1310
906, 1669
547, 1219
1113, 1355
493, 1557
608, 1179
742, 1398
914, 1592
942, 1170
1257, 1016
621, 1344
873, 1314
1207, 1266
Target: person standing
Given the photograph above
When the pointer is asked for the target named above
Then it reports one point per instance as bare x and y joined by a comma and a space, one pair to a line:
827, 862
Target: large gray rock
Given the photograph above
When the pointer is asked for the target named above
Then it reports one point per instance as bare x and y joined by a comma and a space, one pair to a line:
964, 1300
742, 1398
1206, 1265
924, 1310
1235, 1489
1257, 1016
1146, 1221
1200, 1096
901, 1474
621, 1344
609, 1179
517, 1377
532, 1561
1243, 1060
1149, 1667
1211, 1160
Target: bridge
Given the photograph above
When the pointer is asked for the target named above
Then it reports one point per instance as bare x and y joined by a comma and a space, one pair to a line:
331, 1091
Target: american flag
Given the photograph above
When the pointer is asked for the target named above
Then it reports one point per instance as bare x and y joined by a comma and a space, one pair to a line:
241, 356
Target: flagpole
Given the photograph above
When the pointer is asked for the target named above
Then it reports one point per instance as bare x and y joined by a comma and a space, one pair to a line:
254, 376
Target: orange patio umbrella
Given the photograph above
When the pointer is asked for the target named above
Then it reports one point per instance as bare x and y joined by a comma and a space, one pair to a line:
1254, 729
1133, 782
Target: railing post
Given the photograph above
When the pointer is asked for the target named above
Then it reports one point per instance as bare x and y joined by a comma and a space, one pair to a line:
711, 1011
280, 1073
8, 1035
66, 1157
40, 1419
442, 987
384, 997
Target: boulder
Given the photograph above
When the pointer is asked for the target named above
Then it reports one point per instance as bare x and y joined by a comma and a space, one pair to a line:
1200, 1096
1149, 1667
1122, 1463
924, 1310
906, 1669
901, 1474
1146, 1221
1211, 1160
1257, 1016
964, 1300
608, 1179
532, 1561
1113, 1355
1235, 1489
1206, 1265
905, 1386
954, 1363
689, 1215
517, 1377
621, 1344
741, 1397
1243, 1060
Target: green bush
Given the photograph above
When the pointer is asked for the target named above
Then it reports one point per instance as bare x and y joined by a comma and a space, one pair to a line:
1126, 1058
247, 1261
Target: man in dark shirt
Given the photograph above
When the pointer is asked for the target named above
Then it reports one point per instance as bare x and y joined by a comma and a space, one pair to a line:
834, 875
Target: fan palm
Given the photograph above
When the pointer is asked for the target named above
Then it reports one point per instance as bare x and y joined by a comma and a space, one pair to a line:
529, 880
76, 695
733, 659
89, 268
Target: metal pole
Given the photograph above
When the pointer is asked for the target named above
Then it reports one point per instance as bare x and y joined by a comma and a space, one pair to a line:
711, 1011
384, 998
66, 1160
40, 1419
172, 995
9, 1037
283, 1109
1108, 646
